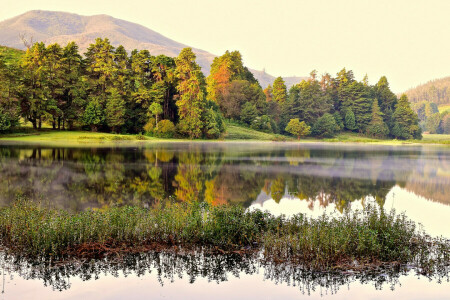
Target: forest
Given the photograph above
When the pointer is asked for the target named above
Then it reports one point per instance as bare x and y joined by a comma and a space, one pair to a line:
108, 89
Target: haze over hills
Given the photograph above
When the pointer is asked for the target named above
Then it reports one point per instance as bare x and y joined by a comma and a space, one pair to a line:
62, 27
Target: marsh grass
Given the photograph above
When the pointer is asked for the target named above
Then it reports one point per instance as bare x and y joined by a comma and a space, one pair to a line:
353, 239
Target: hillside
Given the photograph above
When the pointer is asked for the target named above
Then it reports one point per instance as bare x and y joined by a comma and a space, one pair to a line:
10, 54
61, 27
436, 91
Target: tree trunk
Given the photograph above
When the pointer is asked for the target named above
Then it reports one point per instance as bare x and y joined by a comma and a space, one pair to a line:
40, 123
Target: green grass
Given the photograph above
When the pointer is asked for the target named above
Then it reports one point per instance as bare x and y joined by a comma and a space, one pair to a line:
238, 132
348, 137
11, 55
368, 237
234, 133
73, 138
444, 107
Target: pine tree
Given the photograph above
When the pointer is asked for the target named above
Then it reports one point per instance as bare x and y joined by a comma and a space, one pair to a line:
350, 122
115, 110
377, 128
191, 87
94, 115
406, 121
279, 90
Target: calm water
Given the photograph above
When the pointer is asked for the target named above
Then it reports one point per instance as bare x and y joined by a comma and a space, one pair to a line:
282, 178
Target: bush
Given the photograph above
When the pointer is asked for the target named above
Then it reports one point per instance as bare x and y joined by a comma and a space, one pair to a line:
262, 123
165, 129
150, 126
325, 126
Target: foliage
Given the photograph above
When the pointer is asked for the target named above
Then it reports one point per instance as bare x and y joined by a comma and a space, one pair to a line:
325, 126
279, 91
248, 113
350, 122
115, 110
165, 129
376, 127
318, 244
94, 115
262, 123
297, 128
191, 87
406, 122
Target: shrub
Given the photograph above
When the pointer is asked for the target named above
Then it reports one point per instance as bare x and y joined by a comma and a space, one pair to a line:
165, 129
325, 126
150, 126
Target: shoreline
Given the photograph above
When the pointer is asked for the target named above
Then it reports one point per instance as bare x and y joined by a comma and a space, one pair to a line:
90, 139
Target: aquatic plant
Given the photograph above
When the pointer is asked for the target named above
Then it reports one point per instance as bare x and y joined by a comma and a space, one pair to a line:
355, 240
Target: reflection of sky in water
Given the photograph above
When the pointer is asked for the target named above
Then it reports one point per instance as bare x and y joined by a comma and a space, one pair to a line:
433, 216
75, 178
246, 286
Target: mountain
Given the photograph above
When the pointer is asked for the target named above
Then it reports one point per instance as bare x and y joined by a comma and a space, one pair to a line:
436, 91
61, 27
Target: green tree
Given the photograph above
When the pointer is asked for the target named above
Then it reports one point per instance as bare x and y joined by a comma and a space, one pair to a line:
279, 90
405, 120
325, 126
94, 115
377, 128
350, 122
297, 128
387, 100
248, 113
433, 122
191, 87
156, 109
115, 110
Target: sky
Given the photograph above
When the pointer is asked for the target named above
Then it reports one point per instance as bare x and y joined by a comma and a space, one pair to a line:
406, 41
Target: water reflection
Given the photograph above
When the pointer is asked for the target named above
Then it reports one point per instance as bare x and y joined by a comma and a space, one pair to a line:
167, 267
78, 178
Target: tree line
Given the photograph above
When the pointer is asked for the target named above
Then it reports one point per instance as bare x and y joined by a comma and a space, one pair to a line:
112, 90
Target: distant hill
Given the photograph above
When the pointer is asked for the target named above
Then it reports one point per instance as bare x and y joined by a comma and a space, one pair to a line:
436, 91
61, 27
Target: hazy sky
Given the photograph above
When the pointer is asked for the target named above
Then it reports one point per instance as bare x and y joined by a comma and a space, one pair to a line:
408, 41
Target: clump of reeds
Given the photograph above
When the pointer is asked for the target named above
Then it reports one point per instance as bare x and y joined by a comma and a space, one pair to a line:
368, 237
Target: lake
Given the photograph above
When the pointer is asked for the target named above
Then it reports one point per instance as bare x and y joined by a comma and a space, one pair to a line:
283, 178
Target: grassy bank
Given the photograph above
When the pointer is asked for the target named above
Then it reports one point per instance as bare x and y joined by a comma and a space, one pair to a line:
234, 133
368, 238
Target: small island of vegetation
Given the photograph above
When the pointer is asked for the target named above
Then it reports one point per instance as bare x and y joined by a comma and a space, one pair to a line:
359, 240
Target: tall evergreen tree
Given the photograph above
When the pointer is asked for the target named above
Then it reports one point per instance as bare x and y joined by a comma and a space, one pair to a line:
191, 86
377, 128
279, 90
115, 109
406, 121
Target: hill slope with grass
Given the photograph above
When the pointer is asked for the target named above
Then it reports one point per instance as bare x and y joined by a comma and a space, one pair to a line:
10, 54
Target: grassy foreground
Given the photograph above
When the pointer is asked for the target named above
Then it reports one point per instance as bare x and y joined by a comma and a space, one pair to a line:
368, 238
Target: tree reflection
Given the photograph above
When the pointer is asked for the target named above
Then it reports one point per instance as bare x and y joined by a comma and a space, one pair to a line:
168, 266
80, 178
